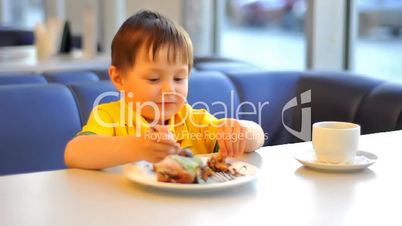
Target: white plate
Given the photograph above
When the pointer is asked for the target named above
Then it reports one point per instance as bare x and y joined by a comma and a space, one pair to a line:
142, 173
362, 160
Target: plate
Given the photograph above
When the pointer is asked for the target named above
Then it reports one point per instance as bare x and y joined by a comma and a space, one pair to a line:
362, 160
142, 173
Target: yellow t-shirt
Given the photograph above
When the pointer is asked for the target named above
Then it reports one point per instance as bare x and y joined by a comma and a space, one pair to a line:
192, 128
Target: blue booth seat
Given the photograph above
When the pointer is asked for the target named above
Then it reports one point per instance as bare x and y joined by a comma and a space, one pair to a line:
71, 77
103, 74
315, 96
86, 93
336, 95
221, 93
214, 92
21, 78
266, 93
36, 123
381, 109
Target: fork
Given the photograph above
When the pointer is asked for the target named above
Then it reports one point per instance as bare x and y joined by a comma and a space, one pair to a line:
228, 176
222, 177
218, 177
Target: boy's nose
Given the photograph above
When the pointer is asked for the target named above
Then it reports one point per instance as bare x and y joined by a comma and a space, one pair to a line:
168, 88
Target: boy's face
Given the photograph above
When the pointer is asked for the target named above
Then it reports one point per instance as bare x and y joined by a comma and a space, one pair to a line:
160, 82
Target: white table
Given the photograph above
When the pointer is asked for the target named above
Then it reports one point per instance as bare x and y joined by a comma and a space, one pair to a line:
23, 59
285, 194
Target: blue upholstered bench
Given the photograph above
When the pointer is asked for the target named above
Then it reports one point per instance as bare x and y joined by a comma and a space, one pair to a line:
38, 119
21, 78
36, 123
71, 77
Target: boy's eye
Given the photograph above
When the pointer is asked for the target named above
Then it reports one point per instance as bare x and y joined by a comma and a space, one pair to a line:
178, 79
153, 79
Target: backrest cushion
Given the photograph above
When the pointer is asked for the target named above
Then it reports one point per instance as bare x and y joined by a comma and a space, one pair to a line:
71, 77
21, 78
262, 98
336, 96
381, 110
103, 74
86, 93
36, 122
214, 92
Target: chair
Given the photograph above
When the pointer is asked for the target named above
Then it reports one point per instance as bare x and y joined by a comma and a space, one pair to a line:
336, 96
36, 122
262, 96
214, 92
103, 74
70, 77
381, 109
86, 93
21, 78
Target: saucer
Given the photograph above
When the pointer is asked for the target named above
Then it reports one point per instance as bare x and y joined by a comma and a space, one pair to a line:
361, 161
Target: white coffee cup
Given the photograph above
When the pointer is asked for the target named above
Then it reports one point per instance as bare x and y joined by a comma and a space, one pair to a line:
335, 142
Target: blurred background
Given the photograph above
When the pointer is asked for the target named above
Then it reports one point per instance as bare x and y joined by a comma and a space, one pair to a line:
272, 34
277, 28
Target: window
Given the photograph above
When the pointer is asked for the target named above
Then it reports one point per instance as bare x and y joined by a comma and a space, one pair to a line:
22, 14
267, 33
378, 47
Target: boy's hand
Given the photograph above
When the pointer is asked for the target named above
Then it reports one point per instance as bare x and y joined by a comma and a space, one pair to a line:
231, 138
155, 145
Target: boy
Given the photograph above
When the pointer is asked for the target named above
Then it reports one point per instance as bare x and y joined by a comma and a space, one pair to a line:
151, 62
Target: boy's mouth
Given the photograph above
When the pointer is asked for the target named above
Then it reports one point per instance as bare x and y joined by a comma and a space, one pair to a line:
165, 103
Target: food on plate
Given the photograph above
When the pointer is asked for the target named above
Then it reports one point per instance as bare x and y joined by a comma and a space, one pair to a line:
188, 169
181, 169
217, 163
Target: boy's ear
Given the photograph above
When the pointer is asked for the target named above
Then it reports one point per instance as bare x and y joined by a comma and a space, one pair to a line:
116, 77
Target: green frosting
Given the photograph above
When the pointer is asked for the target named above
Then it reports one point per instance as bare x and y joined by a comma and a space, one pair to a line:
189, 164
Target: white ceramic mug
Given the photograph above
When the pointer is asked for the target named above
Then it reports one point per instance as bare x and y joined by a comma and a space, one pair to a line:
335, 142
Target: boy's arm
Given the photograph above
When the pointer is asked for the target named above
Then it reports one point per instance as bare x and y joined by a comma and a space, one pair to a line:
98, 152
254, 135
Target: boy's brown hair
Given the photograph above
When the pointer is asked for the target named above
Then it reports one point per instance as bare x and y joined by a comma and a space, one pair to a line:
149, 30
